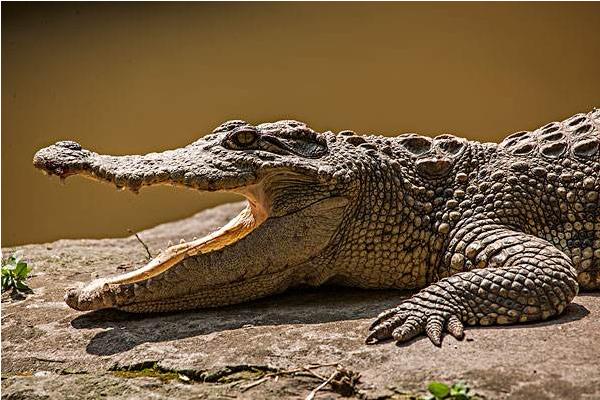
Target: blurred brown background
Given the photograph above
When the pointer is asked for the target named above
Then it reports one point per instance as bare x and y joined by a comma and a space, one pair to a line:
135, 78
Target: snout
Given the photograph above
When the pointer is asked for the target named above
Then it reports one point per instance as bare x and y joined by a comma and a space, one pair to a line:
62, 159
96, 295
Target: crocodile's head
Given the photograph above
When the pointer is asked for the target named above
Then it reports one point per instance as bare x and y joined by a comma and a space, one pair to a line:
297, 193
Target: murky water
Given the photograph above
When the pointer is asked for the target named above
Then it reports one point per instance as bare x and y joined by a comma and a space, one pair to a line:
123, 79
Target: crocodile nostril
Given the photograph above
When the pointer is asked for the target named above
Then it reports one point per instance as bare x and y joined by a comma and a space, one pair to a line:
69, 144
39, 161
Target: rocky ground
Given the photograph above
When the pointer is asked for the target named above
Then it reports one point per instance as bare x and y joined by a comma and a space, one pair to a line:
252, 350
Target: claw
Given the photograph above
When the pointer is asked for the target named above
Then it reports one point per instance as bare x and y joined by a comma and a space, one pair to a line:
384, 330
382, 317
408, 330
412, 318
433, 329
455, 327
372, 338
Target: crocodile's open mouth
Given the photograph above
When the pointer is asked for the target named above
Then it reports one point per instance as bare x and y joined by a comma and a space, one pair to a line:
254, 214
261, 251
250, 218
255, 254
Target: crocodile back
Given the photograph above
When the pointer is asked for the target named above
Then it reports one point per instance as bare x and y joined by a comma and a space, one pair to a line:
576, 138
553, 176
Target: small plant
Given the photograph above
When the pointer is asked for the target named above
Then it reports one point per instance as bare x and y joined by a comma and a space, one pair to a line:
441, 391
14, 273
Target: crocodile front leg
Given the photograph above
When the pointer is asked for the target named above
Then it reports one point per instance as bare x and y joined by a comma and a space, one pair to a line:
517, 278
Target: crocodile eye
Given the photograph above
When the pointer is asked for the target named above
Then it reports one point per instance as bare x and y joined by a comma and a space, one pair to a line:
242, 138
245, 138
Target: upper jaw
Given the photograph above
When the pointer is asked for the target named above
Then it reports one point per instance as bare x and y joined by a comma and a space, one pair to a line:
194, 166
202, 165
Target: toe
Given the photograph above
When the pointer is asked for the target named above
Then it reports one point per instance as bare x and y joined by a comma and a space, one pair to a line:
408, 330
383, 316
433, 329
384, 329
455, 327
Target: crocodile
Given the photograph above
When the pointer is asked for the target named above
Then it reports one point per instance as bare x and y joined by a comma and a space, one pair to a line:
484, 233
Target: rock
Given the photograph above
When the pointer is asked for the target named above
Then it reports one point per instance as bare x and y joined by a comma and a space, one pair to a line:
50, 351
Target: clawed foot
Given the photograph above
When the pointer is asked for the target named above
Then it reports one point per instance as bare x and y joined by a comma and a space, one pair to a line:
413, 317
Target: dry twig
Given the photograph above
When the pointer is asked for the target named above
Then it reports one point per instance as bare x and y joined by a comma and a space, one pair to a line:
277, 374
255, 383
142, 242
313, 393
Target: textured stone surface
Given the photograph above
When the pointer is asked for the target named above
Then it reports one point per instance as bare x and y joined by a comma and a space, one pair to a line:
50, 351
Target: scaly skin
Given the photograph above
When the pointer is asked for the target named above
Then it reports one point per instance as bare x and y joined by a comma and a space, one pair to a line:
492, 234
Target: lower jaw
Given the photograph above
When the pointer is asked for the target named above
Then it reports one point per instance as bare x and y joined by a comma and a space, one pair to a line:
243, 291
241, 225
109, 292
219, 268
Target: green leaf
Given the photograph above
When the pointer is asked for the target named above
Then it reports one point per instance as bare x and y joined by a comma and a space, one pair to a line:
21, 286
21, 270
15, 272
9, 282
439, 390
459, 389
